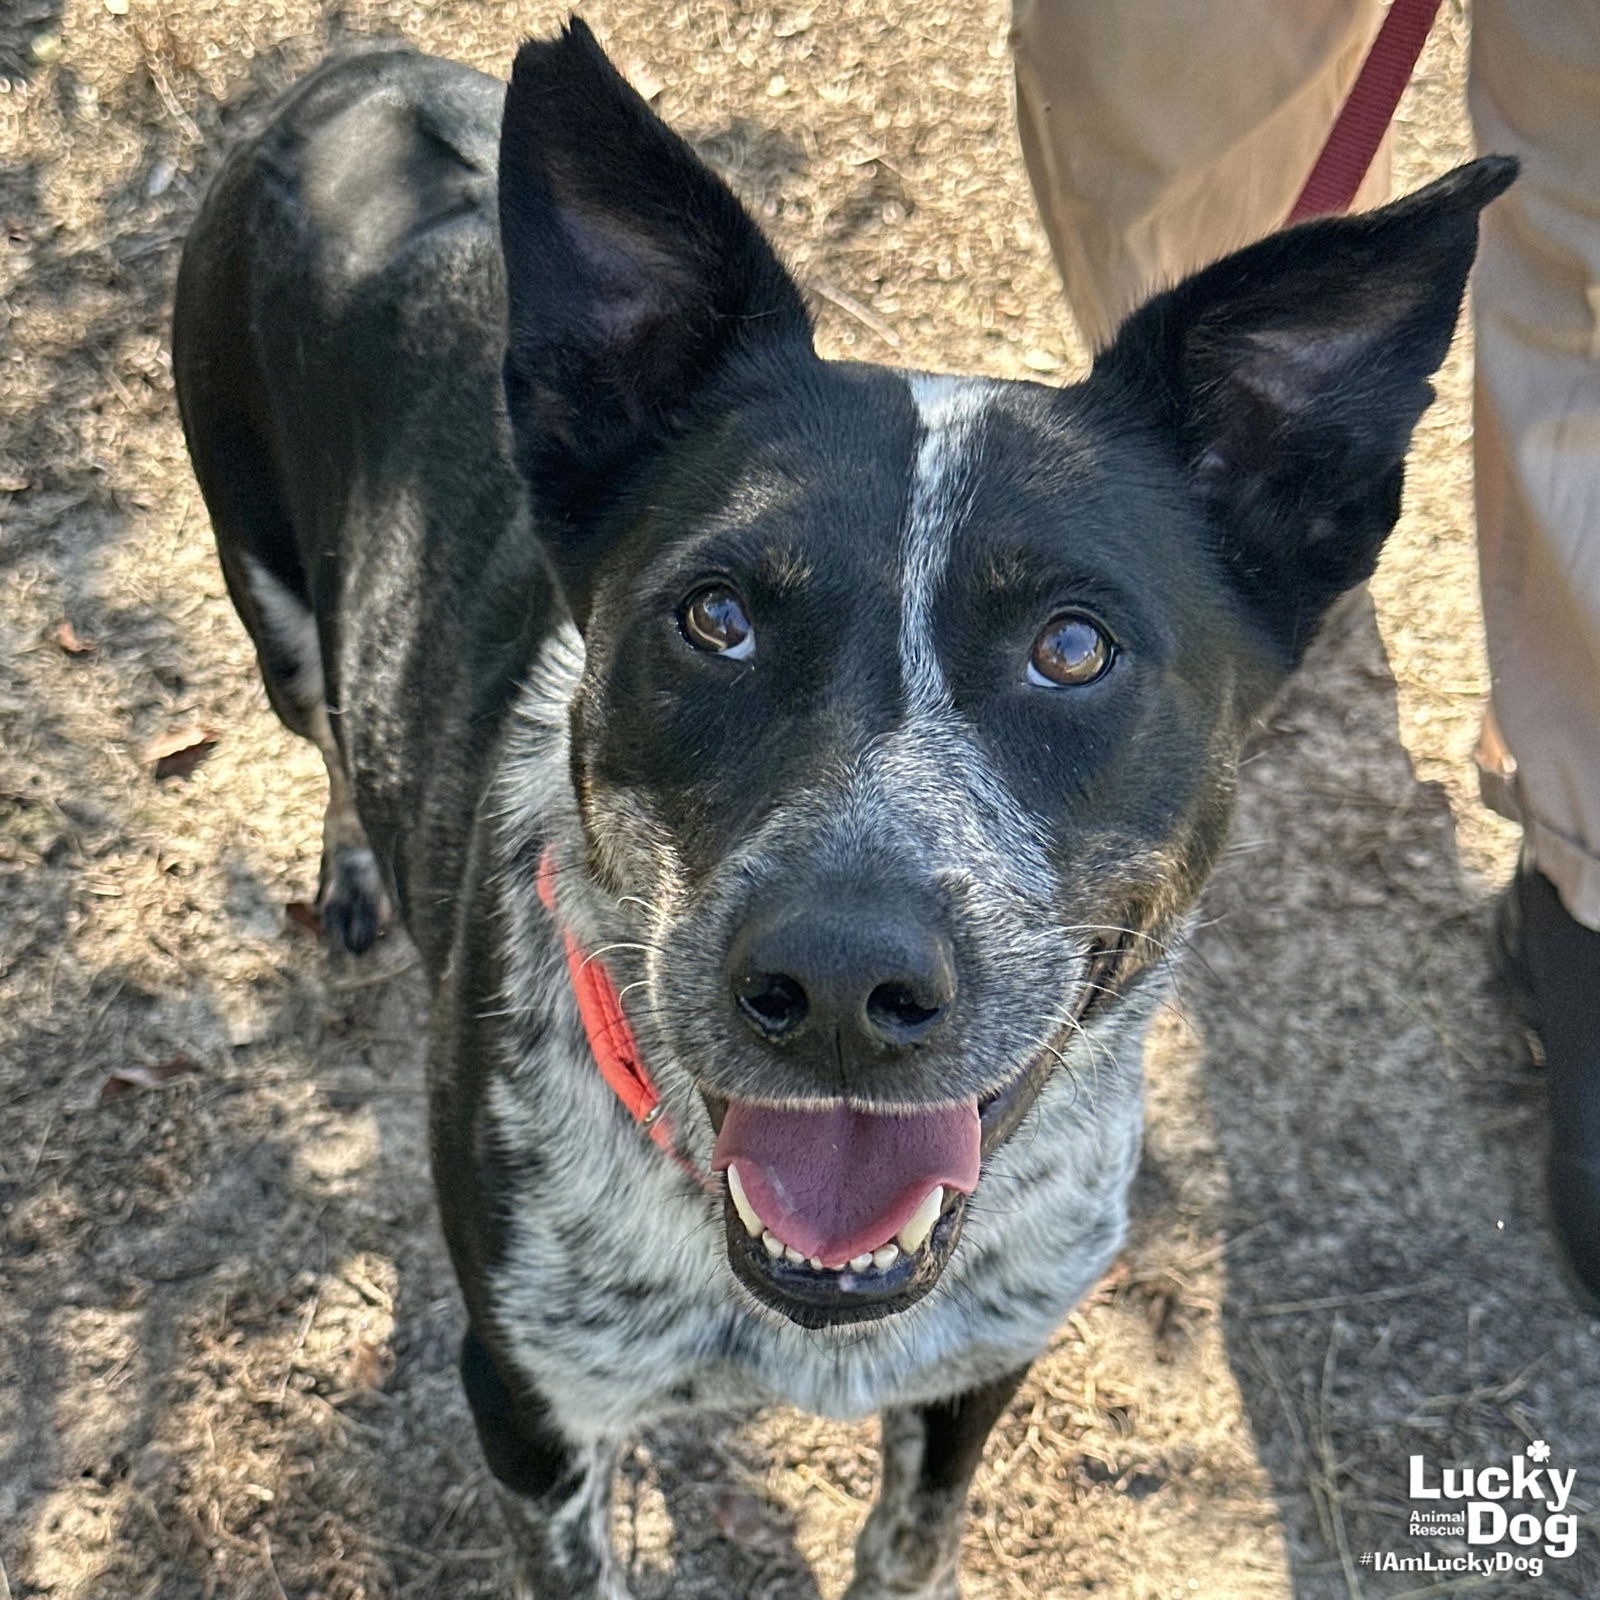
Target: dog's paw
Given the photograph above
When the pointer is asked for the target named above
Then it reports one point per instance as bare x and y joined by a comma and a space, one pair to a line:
874, 1588
906, 1559
352, 904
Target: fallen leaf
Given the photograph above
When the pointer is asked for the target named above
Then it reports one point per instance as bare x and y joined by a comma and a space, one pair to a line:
176, 755
126, 1079
66, 636
370, 1366
303, 915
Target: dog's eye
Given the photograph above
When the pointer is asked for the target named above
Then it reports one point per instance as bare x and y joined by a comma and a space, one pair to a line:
1072, 650
713, 619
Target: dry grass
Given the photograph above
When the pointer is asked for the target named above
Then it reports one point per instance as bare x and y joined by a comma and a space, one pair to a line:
222, 1299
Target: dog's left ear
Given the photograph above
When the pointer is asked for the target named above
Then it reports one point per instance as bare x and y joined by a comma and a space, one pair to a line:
1292, 374
633, 276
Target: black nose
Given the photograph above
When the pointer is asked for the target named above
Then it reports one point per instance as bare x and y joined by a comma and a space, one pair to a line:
864, 975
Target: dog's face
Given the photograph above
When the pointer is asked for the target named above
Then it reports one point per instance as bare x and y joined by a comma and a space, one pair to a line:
896, 750
910, 705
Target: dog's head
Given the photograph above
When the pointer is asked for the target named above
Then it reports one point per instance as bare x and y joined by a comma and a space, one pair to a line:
909, 707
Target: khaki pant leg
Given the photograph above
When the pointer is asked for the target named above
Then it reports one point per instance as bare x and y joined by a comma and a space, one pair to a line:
1535, 93
1160, 134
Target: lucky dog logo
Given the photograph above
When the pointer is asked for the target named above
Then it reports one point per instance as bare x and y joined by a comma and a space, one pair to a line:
1523, 1504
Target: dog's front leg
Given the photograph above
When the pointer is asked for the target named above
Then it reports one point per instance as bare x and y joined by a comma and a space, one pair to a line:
555, 1493
910, 1547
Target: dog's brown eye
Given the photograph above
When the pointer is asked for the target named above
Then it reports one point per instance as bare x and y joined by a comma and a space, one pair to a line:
1072, 650
713, 619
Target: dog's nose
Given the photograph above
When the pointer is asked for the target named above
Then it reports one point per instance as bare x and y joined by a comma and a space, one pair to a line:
864, 976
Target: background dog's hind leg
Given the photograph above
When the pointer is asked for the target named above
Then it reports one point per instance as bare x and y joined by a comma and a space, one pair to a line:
555, 1494
350, 896
910, 1546
229, 422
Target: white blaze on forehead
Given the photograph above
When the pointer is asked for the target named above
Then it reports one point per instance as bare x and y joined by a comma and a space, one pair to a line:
931, 780
951, 411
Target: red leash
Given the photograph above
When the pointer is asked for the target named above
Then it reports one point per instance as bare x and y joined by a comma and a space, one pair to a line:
1368, 111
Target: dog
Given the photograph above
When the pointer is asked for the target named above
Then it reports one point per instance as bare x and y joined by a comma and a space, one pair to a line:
791, 772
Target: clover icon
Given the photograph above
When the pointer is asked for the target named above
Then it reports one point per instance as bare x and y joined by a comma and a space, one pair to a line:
1538, 1451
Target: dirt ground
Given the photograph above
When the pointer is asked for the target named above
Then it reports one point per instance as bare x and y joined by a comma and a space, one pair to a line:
227, 1326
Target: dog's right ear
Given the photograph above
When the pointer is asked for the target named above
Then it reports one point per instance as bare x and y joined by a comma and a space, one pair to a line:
1290, 376
633, 275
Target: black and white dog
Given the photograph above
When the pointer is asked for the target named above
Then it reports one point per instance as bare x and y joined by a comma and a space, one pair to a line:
807, 761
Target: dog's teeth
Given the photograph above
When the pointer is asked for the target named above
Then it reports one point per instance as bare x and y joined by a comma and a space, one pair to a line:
912, 1236
741, 1204
884, 1257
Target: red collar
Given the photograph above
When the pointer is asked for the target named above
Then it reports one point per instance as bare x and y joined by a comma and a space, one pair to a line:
610, 1038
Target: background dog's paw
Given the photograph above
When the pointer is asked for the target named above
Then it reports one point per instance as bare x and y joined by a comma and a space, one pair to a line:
352, 904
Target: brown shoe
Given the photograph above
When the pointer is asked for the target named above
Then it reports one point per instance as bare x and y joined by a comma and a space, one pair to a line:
1552, 964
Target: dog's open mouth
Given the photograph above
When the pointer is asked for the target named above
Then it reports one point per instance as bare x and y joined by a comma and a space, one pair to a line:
840, 1215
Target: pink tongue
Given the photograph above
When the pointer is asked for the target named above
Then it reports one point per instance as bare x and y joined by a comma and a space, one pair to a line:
836, 1183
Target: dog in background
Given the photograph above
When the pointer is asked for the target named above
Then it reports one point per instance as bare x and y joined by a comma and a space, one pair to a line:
808, 761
